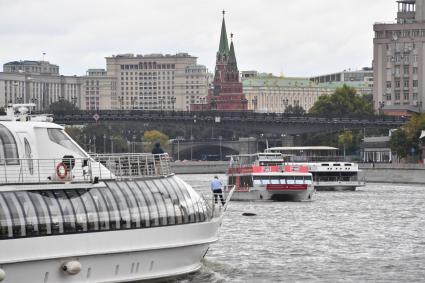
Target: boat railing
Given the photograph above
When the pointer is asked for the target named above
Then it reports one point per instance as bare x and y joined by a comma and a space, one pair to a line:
77, 170
135, 165
215, 206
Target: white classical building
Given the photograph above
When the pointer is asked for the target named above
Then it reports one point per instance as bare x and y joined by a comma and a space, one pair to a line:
268, 93
37, 82
157, 81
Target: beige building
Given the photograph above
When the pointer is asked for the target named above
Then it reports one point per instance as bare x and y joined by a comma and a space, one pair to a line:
399, 60
99, 91
37, 82
267, 93
156, 81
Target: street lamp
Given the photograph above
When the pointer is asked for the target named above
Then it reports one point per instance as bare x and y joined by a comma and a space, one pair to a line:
74, 100
220, 138
161, 100
381, 106
419, 105
173, 101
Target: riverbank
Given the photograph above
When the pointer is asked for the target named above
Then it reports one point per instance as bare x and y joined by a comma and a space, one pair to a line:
372, 173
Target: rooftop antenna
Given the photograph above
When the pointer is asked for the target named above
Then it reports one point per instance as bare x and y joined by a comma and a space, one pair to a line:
44, 54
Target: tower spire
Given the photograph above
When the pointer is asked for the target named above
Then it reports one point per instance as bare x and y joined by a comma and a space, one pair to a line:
223, 48
232, 56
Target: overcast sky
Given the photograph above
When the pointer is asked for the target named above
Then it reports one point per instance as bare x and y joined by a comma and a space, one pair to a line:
296, 38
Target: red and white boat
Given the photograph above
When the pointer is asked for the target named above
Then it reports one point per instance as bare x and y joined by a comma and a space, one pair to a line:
264, 176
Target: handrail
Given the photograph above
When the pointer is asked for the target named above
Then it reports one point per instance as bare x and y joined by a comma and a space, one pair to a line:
83, 170
216, 209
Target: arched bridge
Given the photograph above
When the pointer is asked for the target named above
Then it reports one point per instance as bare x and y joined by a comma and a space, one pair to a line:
248, 122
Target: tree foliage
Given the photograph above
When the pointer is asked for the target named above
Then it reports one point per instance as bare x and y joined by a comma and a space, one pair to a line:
406, 138
343, 102
62, 106
155, 136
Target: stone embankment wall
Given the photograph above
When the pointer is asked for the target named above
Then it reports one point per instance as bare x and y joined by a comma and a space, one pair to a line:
373, 173
393, 173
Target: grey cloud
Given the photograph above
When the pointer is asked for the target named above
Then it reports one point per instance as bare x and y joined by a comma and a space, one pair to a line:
300, 38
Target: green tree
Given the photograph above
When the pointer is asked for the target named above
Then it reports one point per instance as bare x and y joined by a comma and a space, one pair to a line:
154, 136
343, 102
345, 140
62, 106
400, 143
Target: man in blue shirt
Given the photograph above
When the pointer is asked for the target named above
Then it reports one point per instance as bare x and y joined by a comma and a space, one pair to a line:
216, 189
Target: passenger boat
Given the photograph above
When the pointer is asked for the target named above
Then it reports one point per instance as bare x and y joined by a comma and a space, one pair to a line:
263, 177
68, 217
330, 172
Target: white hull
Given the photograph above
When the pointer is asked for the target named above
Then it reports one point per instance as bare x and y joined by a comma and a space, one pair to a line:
338, 186
119, 256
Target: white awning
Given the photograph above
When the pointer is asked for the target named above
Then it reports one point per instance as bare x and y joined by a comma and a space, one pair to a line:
422, 135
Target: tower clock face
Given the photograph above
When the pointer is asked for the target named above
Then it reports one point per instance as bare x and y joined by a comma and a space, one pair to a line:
217, 90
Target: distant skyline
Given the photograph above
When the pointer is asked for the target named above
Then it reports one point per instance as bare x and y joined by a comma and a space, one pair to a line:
296, 38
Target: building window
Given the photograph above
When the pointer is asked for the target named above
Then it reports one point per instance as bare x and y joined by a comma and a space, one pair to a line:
397, 95
415, 83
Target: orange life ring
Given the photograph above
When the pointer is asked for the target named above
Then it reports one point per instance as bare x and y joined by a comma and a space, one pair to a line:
61, 171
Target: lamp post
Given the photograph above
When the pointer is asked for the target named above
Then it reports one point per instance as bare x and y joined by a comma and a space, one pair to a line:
381, 106
94, 144
104, 143
121, 100
419, 105
173, 101
161, 100
244, 102
74, 100
220, 138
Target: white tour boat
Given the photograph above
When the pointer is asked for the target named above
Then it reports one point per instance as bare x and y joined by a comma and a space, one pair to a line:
263, 176
330, 172
68, 217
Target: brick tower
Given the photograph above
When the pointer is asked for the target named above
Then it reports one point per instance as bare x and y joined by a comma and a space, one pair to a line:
227, 93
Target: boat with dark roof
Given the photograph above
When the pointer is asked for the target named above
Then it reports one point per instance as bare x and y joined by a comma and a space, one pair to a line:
66, 216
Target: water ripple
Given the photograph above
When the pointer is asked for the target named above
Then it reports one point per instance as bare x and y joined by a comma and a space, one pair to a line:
374, 234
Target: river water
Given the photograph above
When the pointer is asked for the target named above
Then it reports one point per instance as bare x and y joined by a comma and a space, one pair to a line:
376, 233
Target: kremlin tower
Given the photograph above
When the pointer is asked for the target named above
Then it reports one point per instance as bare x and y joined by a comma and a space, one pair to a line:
227, 93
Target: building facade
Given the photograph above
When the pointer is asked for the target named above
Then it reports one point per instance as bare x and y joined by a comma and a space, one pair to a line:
399, 60
37, 82
99, 91
268, 93
363, 75
156, 81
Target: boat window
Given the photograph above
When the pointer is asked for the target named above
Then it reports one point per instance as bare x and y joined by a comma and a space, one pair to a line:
308, 180
56, 212
189, 202
102, 209
299, 180
275, 180
290, 180
257, 181
56, 216
67, 210
59, 137
141, 202
325, 164
132, 205
150, 201
282, 180
347, 164
5, 220
42, 213
231, 181
8, 147
28, 155
337, 164
114, 213
175, 201
183, 204
92, 215
125, 220
160, 204
246, 181
30, 214
16, 213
